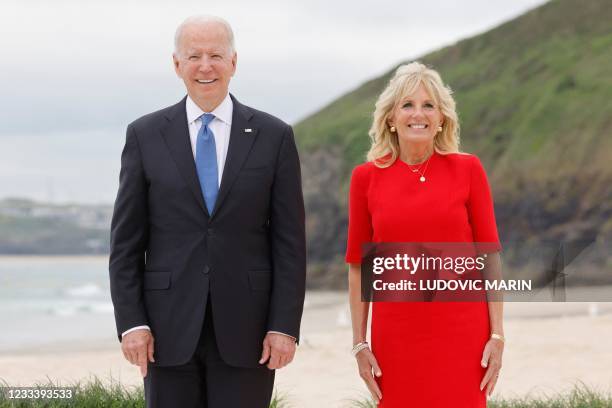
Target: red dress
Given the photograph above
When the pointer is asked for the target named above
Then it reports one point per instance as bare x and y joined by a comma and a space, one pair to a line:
429, 353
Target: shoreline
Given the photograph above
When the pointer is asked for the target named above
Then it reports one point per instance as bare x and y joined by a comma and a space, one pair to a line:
324, 311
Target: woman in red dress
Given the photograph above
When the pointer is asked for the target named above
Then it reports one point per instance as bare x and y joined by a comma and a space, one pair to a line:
418, 187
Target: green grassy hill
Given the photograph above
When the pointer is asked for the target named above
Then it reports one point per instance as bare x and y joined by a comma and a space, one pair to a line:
534, 97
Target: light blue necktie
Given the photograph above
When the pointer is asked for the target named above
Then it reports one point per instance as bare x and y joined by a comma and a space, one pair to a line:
206, 162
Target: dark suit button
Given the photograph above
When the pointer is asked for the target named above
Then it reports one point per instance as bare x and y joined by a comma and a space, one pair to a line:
206, 270
209, 232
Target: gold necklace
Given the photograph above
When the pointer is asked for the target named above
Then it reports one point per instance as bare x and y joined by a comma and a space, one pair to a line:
422, 179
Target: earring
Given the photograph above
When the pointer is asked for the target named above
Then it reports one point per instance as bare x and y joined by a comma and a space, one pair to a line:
439, 128
392, 129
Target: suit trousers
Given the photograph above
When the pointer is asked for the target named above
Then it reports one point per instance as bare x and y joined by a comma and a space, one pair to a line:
206, 381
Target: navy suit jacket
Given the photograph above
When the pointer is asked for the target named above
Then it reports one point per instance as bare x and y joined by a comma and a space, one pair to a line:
168, 254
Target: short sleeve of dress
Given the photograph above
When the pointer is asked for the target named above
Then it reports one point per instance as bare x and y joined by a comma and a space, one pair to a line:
481, 211
360, 222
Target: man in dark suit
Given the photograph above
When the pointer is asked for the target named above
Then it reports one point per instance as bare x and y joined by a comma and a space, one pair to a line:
207, 264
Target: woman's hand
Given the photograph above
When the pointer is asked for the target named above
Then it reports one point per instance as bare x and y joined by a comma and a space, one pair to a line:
492, 360
368, 368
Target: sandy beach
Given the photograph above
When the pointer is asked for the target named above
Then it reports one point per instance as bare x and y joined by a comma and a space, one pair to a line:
551, 347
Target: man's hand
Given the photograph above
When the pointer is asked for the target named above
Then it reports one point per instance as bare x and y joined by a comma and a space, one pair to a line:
278, 350
137, 347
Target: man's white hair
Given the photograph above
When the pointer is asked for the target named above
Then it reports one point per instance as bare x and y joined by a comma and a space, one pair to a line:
201, 20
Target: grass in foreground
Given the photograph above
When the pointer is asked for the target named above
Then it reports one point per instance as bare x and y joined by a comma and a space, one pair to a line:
580, 396
97, 394
91, 394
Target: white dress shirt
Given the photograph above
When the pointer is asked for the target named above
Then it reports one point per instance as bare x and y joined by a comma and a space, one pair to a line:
221, 127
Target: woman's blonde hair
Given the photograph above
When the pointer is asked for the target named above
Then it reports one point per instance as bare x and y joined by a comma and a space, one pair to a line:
385, 145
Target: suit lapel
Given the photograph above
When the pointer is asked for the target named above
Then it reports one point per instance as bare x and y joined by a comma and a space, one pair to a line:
240, 143
176, 136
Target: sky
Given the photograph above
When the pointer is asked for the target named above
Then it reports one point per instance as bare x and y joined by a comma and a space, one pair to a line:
75, 73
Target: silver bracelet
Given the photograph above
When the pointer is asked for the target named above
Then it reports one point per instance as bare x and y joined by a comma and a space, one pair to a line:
358, 347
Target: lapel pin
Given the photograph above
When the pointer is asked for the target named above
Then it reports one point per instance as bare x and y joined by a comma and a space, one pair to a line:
248, 130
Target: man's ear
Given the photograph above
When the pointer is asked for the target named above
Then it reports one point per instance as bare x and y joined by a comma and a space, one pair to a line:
175, 62
234, 62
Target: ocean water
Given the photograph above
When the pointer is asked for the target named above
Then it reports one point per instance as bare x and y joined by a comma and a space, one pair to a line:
55, 303
54, 300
